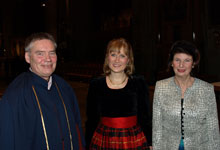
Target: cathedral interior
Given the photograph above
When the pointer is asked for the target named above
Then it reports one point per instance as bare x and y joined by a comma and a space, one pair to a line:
83, 28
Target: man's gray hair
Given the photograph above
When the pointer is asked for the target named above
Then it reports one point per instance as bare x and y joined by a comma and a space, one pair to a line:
38, 36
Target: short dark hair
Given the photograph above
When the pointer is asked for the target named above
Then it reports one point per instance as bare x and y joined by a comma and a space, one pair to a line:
38, 36
186, 48
116, 45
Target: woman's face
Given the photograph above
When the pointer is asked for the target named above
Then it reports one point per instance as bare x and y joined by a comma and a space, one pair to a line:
117, 61
182, 64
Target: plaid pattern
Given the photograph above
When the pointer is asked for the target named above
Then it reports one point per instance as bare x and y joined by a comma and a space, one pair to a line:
107, 138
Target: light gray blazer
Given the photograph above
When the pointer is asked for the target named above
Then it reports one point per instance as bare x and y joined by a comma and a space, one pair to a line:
200, 118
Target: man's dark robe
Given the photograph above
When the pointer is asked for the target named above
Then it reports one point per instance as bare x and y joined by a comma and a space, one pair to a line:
20, 120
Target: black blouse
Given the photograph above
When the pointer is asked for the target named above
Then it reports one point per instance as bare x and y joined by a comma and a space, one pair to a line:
128, 101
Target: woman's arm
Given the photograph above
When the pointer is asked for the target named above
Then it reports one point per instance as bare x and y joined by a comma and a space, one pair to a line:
92, 111
157, 120
212, 121
144, 111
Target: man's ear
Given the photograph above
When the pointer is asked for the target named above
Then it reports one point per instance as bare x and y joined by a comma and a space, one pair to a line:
27, 57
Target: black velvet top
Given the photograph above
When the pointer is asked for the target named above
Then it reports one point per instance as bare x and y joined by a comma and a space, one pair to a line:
131, 100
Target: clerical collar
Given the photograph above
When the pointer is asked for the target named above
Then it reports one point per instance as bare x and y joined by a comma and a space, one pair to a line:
49, 82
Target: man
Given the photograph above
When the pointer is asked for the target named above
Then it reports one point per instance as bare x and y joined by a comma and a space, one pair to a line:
39, 110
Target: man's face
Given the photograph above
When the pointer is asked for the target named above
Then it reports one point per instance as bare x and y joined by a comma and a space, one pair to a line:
42, 58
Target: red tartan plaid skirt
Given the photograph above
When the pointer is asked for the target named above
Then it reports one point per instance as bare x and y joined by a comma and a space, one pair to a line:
118, 134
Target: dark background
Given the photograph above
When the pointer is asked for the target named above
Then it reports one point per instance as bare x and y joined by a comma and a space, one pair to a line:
83, 29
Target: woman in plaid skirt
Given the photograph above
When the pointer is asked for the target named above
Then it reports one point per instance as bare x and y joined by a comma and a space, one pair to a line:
118, 104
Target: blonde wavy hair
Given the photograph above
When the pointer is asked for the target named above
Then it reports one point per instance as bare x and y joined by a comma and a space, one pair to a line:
116, 45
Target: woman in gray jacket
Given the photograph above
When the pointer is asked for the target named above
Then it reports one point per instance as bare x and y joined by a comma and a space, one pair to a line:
184, 107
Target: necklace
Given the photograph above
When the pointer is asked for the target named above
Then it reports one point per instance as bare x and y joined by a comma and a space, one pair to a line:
117, 84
